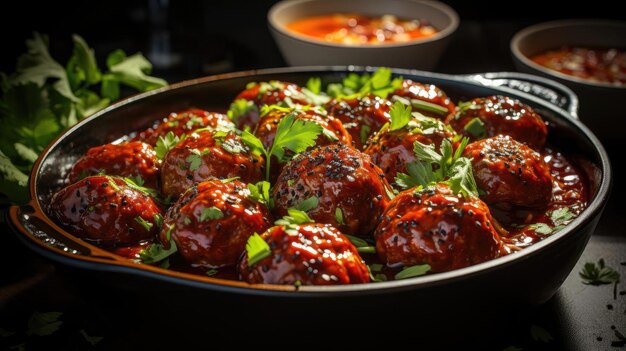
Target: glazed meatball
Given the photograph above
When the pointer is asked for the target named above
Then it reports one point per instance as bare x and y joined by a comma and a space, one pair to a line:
392, 150
510, 173
362, 116
428, 93
437, 227
211, 223
206, 155
185, 122
267, 93
130, 159
317, 254
494, 115
105, 211
350, 189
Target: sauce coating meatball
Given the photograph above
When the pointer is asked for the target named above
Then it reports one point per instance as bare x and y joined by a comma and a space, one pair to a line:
391, 150
362, 116
429, 93
184, 122
105, 211
350, 189
212, 222
510, 173
267, 93
316, 254
130, 159
206, 155
437, 227
500, 115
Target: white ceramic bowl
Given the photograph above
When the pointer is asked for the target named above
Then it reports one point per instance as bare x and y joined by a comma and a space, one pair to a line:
300, 50
600, 103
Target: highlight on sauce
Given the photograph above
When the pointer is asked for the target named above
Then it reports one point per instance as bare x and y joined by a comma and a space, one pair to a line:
356, 29
305, 186
596, 65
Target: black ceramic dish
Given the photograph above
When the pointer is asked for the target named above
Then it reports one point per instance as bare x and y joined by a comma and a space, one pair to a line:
530, 276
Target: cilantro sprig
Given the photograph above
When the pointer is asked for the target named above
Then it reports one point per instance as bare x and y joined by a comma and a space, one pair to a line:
559, 217
379, 83
157, 253
292, 134
44, 97
260, 192
598, 274
444, 166
165, 143
400, 116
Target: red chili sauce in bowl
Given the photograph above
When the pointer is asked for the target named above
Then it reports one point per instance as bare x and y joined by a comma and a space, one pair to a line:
596, 65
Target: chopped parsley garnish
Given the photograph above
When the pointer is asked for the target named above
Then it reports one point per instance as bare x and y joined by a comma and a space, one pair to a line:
400, 116
559, 217
444, 167
379, 83
165, 143
112, 183
156, 252
211, 272
257, 249
464, 106
364, 133
239, 108
195, 159
130, 182
260, 192
210, 213
308, 204
339, 216
413, 271
294, 217
194, 121
356, 241
145, 224
598, 274
314, 84
291, 134
158, 220
476, 128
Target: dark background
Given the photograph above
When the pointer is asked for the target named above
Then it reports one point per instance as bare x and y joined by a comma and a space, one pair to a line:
209, 37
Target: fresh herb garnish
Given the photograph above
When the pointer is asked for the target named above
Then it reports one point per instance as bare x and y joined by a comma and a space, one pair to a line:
356, 241
464, 106
294, 217
364, 133
46, 323
210, 213
92, 340
413, 271
211, 272
165, 143
158, 220
366, 249
195, 159
559, 217
241, 107
308, 204
145, 224
598, 274
257, 249
339, 216
130, 182
379, 83
314, 84
291, 134
260, 192
156, 252
476, 128
400, 115
429, 106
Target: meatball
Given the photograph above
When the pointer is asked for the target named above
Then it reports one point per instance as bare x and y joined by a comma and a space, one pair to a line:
510, 173
129, 159
391, 150
105, 211
493, 115
317, 254
185, 122
362, 116
350, 190
211, 223
428, 93
205, 155
267, 93
437, 227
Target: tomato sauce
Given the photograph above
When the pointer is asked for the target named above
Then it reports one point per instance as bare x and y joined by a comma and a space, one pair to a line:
355, 29
596, 65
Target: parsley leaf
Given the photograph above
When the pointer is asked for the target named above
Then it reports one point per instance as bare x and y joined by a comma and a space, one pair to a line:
156, 252
379, 83
240, 108
308, 204
260, 192
211, 213
13, 182
462, 179
339, 216
145, 224
559, 217
211, 272
476, 128
400, 116
132, 183
165, 144
294, 217
413, 271
356, 241
93, 340
133, 71
598, 274
364, 133
314, 84
42, 324
257, 249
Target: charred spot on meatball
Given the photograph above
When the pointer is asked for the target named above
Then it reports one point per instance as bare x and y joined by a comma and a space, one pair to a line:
105, 211
434, 226
307, 254
131, 159
361, 116
490, 116
205, 155
211, 223
350, 191
510, 173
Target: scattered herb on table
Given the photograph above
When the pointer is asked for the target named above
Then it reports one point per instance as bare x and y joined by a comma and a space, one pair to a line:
598, 274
